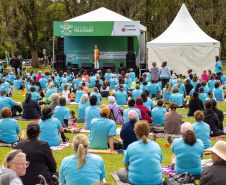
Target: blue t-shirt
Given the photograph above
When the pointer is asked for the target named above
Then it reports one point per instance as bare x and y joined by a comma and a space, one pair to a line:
107, 76
121, 97
8, 130
173, 82
7, 86
2, 87
91, 112
206, 89
62, 86
99, 97
166, 96
177, 98
144, 87
50, 91
78, 96
100, 129
50, 131
144, 163
128, 81
81, 110
136, 93
181, 88
6, 102
194, 84
61, 113
91, 81
149, 104
158, 115
188, 158
43, 82
17, 84
11, 78
35, 96
126, 111
69, 77
29, 88
203, 96
223, 78
202, 132
218, 92
217, 65
91, 172
47, 77
148, 77
132, 76
76, 82
153, 89
113, 82
211, 84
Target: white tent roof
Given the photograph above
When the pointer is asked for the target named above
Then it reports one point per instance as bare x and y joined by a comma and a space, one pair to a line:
183, 31
102, 14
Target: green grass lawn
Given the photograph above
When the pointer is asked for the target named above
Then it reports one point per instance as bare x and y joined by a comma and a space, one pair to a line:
112, 162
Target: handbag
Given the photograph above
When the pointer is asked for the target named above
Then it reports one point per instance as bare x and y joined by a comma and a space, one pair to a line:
181, 179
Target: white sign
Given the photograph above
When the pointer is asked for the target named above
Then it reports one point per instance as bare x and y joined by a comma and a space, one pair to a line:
113, 55
126, 28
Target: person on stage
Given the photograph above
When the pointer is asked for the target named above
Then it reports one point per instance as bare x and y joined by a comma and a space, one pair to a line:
96, 57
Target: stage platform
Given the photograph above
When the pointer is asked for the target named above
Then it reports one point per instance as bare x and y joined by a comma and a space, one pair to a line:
76, 70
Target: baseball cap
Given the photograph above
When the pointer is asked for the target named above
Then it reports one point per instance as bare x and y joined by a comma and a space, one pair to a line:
106, 111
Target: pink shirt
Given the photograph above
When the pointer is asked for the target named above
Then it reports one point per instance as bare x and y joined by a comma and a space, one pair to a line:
204, 77
38, 77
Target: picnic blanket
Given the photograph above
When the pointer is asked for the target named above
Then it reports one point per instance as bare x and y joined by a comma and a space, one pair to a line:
60, 146
167, 170
84, 130
161, 135
187, 116
95, 151
217, 137
21, 119
5, 145
117, 180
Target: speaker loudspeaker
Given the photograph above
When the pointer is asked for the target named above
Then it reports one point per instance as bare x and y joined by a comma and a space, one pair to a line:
108, 65
87, 65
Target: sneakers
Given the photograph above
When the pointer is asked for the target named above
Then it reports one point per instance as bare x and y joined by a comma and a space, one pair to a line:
42, 180
54, 181
153, 138
14, 145
66, 140
170, 140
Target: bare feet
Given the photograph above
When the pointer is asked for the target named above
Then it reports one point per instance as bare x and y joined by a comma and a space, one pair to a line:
24, 133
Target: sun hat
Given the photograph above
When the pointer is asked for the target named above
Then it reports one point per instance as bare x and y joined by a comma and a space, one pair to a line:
111, 99
219, 148
132, 114
186, 127
106, 111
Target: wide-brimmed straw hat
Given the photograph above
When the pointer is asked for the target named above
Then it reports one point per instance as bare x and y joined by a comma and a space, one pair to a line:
219, 148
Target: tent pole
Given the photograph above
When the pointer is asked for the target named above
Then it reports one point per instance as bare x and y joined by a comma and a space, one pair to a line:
53, 54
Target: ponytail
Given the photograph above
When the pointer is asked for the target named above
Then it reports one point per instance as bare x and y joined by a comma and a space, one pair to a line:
144, 139
28, 97
81, 155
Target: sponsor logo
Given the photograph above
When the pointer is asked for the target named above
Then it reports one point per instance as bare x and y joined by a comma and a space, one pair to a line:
129, 26
66, 29
123, 29
83, 29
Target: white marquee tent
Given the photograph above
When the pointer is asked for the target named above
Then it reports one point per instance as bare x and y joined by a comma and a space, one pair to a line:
184, 46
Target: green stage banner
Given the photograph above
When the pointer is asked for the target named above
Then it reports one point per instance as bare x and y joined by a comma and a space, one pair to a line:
119, 28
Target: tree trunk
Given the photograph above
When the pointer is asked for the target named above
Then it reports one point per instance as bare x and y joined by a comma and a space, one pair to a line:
34, 54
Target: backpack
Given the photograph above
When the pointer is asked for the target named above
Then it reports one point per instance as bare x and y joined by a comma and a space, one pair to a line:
181, 179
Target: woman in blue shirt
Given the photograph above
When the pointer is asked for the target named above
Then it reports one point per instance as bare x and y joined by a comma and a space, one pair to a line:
180, 86
218, 92
188, 152
97, 94
140, 158
194, 81
137, 92
17, 83
164, 73
167, 92
128, 80
81, 168
121, 96
50, 127
177, 97
9, 128
218, 67
107, 75
113, 81
83, 104
79, 94
91, 80
47, 74
211, 83
147, 102
202, 129
158, 113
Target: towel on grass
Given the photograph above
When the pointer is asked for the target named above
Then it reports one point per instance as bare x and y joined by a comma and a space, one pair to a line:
84, 130
167, 170
95, 151
60, 146
5, 145
161, 135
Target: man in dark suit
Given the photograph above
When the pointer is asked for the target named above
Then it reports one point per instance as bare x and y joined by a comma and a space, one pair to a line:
40, 156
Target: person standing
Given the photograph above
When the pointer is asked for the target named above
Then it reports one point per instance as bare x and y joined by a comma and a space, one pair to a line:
96, 57
14, 63
218, 67
154, 72
164, 73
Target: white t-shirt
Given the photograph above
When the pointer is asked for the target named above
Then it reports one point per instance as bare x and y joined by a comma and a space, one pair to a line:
65, 94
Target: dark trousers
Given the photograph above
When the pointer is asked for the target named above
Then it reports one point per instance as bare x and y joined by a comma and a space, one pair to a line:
219, 75
216, 133
16, 109
164, 81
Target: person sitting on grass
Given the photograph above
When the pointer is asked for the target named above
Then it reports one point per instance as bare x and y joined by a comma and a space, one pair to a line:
31, 108
211, 82
92, 80
215, 174
79, 94
143, 159
76, 82
181, 87
32, 84
195, 104
127, 133
131, 104
13, 167
43, 82
113, 81
17, 83
50, 128
121, 96
145, 112
158, 114
202, 95
172, 120
188, 86
63, 84
147, 101
177, 98
218, 92
167, 92
188, 151
39, 154
83, 104
55, 97
91, 112
51, 90
219, 113
154, 89
102, 131
137, 92
9, 128
97, 94
212, 119
128, 80
66, 94
81, 168
34, 94
210, 97
201, 129
107, 75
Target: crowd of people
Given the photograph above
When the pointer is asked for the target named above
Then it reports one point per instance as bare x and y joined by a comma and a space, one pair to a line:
147, 98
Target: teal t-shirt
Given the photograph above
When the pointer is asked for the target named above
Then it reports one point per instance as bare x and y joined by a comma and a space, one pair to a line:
50, 131
211, 84
61, 113
121, 97
177, 98
218, 93
35, 96
158, 115
188, 158
99, 97
50, 91
217, 65
203, 96
126, 112
144, 163
128, 81
17, 84
91, 81
91, 112
81, 110
149, 104
91, 172
107, 76
8, 130
43, 82
78, 96
6, 102
100, 129
136, 93
153, 89
181, 88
